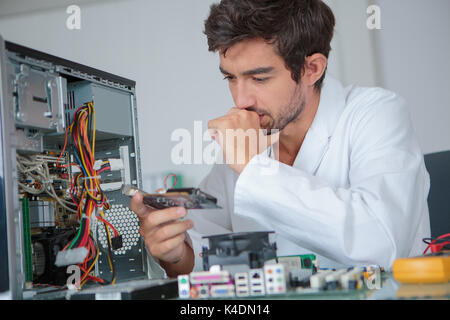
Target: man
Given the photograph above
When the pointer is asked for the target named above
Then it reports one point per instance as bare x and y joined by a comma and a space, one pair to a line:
350, 186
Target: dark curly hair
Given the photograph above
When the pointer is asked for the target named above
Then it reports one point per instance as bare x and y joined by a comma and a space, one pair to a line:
297, 28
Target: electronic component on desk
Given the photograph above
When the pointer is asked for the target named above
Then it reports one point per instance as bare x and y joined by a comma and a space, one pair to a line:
372, 272
208, 277
242, 284
252, 249
193, 293
203, 290
256, 281
190, 198
204, 281
429, 268
184, 286
317, 280
332, 279
352, 279
222, 291
299, 267
309, 261
275, 278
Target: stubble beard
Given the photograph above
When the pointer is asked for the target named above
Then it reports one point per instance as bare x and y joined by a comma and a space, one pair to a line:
288, 114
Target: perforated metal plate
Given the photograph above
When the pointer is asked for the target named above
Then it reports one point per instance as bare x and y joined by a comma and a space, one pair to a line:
126, 223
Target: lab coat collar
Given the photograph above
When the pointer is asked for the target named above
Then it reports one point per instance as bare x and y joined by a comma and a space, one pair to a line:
317, 139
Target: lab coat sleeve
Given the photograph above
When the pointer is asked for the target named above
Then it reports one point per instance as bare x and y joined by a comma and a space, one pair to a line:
374, 219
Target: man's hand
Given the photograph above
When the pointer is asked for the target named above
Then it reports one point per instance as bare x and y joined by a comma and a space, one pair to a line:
240, 137
162, 230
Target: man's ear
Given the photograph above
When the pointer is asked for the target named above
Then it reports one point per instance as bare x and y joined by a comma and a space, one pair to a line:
314, 67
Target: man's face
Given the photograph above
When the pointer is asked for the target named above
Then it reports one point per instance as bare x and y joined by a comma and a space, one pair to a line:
259, 81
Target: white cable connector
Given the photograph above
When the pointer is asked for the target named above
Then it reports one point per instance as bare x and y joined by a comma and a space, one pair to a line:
71, 256
116, 164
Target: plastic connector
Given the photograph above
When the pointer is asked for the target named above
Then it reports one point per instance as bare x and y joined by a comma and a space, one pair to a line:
117, 242
71, 257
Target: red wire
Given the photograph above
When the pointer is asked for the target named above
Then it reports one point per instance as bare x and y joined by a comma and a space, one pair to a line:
72, 185
174, 183
103, 169
86, 231
90, 204
439, 246
109, 224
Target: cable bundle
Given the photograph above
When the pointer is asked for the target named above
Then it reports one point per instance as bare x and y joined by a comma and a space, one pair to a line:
36, 173
86, 192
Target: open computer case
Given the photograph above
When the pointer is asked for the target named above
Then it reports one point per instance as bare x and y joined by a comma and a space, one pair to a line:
39, 94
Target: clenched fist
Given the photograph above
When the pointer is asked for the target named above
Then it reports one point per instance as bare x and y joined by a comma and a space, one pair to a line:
240, 136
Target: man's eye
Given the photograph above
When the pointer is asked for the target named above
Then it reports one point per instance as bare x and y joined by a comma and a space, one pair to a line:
228, 78
260, 79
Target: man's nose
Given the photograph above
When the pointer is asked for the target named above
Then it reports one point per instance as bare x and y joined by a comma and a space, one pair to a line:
243, 97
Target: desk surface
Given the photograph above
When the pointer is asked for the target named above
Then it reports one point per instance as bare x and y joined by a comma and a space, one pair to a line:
389, 289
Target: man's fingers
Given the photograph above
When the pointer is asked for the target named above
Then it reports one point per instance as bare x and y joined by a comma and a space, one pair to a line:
233, 110
137, 206
172, 230
160, 217
171, 244
213, 125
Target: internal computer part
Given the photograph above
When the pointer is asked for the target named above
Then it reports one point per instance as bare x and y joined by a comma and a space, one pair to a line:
246, 264
73, 144
189, 198
238, 251
274, 280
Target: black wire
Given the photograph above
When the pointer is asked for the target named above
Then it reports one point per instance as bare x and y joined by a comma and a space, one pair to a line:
438, 241
110, 254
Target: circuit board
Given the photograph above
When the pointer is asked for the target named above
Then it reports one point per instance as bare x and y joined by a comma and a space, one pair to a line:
189, 198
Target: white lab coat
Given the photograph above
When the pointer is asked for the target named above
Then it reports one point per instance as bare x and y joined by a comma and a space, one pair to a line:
355, 195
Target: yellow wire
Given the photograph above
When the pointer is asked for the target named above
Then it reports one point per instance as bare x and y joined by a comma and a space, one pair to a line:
96, 181
109, 240
87, 172
91, 105
92, 109
89, 270
93, 154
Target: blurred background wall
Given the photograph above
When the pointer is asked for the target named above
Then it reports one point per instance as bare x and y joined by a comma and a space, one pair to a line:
161, 45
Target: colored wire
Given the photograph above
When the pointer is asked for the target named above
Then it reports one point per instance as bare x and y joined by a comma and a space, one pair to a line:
174, 183
85, 190
436, 244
